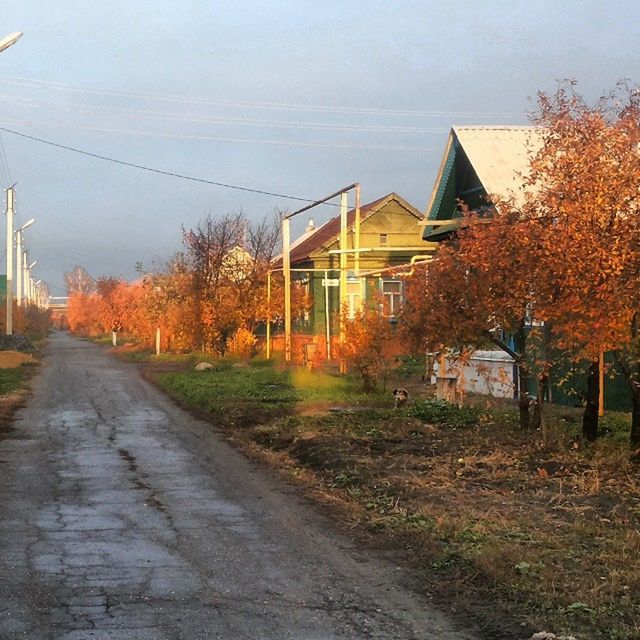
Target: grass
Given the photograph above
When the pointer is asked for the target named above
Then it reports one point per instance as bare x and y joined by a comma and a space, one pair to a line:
11, 380
13, 383
259, 390
238, 396
492, 523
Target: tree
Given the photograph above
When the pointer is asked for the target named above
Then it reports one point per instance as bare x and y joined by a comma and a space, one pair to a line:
462, 300
584, 190
565, 259
367, 342
229, 258
79, 281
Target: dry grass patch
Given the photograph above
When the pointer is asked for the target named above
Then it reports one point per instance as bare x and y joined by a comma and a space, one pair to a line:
14, 359
495, 527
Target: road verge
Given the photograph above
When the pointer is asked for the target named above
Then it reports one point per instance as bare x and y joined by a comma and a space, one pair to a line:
495, 529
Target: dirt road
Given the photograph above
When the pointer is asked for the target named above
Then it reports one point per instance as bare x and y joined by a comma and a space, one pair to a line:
122, 517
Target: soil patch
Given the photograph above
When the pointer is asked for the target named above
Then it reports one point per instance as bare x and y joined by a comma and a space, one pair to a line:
14, 359
489, 525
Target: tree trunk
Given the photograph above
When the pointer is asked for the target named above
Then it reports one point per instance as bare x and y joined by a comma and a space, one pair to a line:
429, 362
539, 418
590, 417
523, 395
542, 418
519, 355
634, 439
520, 343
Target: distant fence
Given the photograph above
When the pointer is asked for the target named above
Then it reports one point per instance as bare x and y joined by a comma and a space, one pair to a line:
493, 373
488, 373
58, 305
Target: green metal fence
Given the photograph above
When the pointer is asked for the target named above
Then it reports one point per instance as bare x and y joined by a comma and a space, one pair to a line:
568, 384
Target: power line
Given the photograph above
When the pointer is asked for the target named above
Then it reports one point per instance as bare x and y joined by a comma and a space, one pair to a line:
228, 120
63, 86
180, 136
153, 170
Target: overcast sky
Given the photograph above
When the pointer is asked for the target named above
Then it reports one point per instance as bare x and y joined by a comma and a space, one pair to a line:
299, 97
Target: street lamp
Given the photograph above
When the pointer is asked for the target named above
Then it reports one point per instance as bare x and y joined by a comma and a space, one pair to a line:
20, 260
27, 279
12, 38
5, 43
36, 293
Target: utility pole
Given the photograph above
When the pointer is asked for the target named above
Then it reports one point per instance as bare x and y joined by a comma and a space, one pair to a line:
19, 269
25, 275
356, 246
286, 263
286, 272
269, 315
343, 271
356, 234
9, 296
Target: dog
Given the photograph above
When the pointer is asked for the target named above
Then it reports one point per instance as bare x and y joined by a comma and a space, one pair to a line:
401, 397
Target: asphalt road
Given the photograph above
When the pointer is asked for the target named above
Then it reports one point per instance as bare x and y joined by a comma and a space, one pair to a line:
122, 517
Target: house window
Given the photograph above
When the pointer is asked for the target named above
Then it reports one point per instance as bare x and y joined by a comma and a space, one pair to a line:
303, 287
391, 297
353, 297
384, 239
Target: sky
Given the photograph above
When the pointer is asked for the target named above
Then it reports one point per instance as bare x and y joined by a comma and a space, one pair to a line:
297, 98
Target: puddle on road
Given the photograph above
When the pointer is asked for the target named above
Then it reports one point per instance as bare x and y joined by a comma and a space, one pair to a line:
131, 459
151, 500
72, 418
9, 432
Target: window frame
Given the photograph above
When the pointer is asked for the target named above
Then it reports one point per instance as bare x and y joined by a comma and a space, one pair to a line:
391, 300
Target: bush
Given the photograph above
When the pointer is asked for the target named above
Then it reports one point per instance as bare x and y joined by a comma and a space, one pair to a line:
367, 344
16, 342
242, 344
438, 411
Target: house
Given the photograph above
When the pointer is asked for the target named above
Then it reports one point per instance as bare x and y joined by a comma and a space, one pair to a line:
237, 263
478, 162
389, 236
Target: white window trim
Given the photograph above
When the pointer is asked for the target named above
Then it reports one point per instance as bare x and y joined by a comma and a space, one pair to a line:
389, 308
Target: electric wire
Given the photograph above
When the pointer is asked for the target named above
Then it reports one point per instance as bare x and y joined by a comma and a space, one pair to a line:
63, 86
154, 170
227, 120
181, 136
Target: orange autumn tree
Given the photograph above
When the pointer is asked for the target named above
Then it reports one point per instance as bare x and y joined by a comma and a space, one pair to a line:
584, 185
169, 303
228, 258
77, 314
82, 312
115, 305
367, 344
475, 290
566, 257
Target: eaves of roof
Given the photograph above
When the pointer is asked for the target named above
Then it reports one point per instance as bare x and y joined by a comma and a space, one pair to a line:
439, 233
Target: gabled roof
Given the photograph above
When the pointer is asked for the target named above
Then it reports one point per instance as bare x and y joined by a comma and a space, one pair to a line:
498, 154
329, 232
496, 164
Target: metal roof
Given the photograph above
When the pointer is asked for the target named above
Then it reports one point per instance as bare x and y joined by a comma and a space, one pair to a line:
500, 156
329, 232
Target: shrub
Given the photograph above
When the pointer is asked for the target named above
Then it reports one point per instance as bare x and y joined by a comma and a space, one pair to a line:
367, 345
438, 411
242, 344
